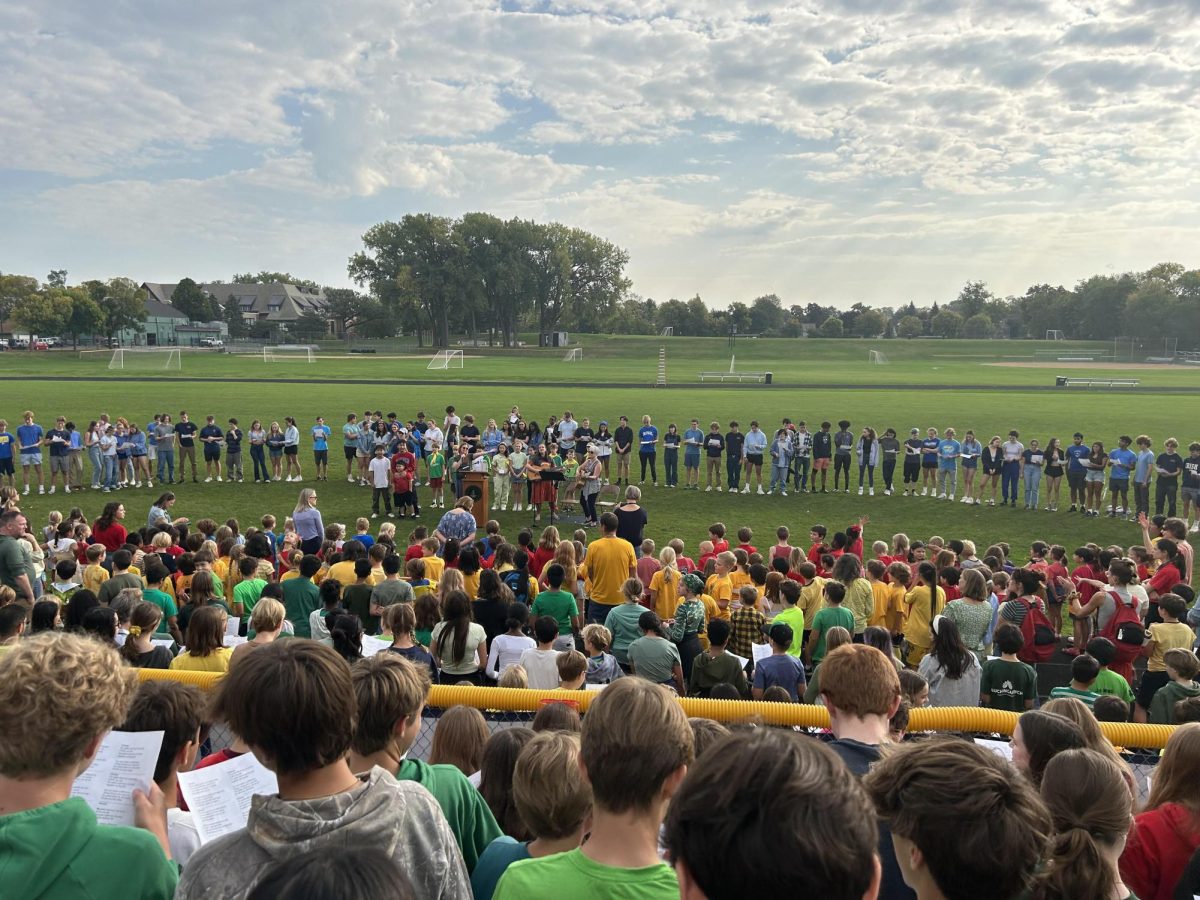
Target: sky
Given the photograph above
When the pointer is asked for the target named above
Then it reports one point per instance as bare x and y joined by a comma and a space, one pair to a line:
878, 151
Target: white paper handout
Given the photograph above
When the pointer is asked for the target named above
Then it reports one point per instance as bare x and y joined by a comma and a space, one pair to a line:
760, 651
1000, 748
372, 645
124, 763
219, 796
232, 625
741, 659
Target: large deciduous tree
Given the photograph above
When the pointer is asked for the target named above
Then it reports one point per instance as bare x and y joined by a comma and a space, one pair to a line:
194, 302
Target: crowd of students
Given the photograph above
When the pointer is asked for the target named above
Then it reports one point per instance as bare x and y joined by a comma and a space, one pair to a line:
527, 462
329, 649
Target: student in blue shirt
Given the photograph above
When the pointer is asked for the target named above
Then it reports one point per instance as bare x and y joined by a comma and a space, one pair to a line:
7, 471
320, 437
1077, 453
693, 440
1121, 463
29, 443
948, 450
648, 449
1141, 475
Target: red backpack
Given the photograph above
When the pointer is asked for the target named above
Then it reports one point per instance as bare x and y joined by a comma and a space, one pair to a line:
1126, 631
1040, 639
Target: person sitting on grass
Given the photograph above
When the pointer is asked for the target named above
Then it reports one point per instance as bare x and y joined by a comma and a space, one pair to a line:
635, 751
60, 694
1182, 668
391, 694
774, 796
293, 704
551, 799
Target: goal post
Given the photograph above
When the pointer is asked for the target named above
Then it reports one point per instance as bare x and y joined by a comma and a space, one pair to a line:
285, 352
152, 358
446, 359
668, 331
575, 354
875, 358
1054, 334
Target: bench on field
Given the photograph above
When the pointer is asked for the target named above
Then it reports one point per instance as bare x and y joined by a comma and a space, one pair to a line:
363, 350
764, 377
1064, 381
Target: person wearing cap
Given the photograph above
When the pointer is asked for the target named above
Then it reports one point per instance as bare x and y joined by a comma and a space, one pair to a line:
912, 462
780, 668
1077, 454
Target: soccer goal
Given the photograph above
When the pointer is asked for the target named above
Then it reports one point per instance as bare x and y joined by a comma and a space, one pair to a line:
1053, 334
289, 352
875, 358
446, 359
669, 331
152, 358
575, 354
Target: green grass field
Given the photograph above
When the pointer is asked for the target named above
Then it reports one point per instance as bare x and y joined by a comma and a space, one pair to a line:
949, 369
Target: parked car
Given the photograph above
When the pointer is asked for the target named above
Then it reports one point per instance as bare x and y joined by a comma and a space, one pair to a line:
211, 342
40, 345
53, 341
19, 343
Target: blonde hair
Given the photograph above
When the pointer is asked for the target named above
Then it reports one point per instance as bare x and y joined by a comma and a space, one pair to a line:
670, 569
514, 676
451, 580
551, 799
597, 635
268, 615
58, 693
633, 589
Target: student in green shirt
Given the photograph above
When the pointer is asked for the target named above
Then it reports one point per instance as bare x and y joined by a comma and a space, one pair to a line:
791, 614
635, 750
1084, 670
391, 693
1183, 667
357, 597
60, 694
301, 596
156, 576
1108, 681
247, 591
561, 605
551, 799
1007, 683
832, 616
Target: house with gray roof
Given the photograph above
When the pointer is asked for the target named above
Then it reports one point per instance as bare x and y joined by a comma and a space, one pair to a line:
273, 307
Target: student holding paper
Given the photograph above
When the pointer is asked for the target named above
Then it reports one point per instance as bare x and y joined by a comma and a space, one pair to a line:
391, 693
60, 694
177, 710
293, 704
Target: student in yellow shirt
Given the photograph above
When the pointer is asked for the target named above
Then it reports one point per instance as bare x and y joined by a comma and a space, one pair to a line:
94, 575
664, 585
720, 586
434, 564
206, 650
1162, 636
900, 575
880, 592
812, 595
922, 604
739, 574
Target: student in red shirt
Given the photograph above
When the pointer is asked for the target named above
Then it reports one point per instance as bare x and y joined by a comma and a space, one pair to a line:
816, 535
782, 549
1085, 568
949, 583
744, 536
716, 534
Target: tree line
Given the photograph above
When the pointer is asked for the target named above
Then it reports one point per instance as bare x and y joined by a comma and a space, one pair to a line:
437, 278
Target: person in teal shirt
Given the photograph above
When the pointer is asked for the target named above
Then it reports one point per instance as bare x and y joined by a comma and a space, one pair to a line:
51, 845
948, 450
635, 750
391, 693
561, 605
301, 597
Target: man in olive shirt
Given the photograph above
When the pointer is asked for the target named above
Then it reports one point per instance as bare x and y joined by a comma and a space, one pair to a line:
15, 572
301, 597
610, 562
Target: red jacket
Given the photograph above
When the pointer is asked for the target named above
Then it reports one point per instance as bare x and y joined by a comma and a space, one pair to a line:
1159, 847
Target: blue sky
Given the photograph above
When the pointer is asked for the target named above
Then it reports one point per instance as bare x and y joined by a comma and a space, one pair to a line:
859, 150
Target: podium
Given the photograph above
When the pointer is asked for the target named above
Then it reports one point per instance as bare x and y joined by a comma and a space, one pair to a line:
475, 486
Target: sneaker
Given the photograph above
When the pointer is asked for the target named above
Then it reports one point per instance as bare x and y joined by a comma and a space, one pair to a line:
53, 488
219, 478
209, 478
942, 496
707, 488
374, 515
783, 493
950, 498
67, 488
760, 490
871, 492
745, 490
965, 500
106, 490
1195, 528
391, 515
350, 479
718, 489
41, 489
278, 478
860, 492
924, 492
887, 492
992, 502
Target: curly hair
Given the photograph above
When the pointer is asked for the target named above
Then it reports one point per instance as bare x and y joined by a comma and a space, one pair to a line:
58, 693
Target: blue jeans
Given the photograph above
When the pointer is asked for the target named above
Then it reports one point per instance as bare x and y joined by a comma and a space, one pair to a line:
870, 470
671, 466
733, 469
800, 469
110, 471
166, 464
1008, 480
1033, 482
97, 465
597, 612
260, 462
779, 476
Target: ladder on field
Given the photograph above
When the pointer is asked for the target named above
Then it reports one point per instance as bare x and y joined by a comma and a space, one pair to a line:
662, 367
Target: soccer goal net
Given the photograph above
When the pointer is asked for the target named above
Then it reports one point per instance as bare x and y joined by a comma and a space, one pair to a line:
875, 358
446, 359
288, 352
575, 354
1053, 334
151, 358
668, 331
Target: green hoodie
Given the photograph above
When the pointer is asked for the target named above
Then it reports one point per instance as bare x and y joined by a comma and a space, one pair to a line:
469, 816
1162, 706
61, 851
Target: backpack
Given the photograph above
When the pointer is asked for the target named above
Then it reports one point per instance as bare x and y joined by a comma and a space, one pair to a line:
517, 582
1040, 639
1124, 629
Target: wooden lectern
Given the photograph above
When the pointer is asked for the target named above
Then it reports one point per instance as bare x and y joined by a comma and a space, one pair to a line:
475, 486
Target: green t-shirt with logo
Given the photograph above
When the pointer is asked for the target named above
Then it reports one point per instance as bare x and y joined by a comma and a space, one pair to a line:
1007, 685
